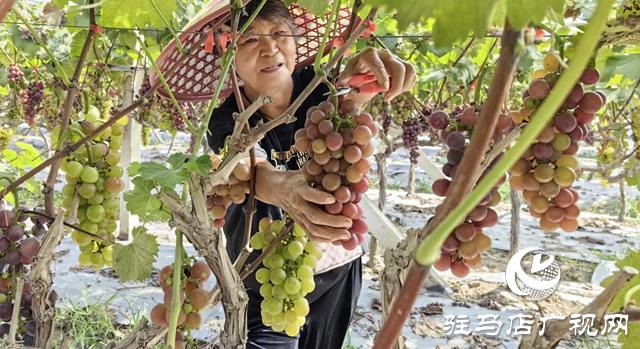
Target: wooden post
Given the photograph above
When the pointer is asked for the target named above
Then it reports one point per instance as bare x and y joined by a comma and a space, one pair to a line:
515, 222
411, 186
131, 150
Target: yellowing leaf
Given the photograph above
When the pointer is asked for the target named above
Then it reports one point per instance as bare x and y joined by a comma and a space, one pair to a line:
135, 261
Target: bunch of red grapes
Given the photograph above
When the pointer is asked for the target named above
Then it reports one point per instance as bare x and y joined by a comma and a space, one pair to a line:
546, 172
462, 249
18, 247
338, 141
193, 298
223, 195
32, 101
15, 74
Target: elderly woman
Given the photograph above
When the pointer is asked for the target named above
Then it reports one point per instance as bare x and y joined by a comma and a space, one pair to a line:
265, 62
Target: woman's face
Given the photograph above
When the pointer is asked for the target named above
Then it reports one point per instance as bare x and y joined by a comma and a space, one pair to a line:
266, 62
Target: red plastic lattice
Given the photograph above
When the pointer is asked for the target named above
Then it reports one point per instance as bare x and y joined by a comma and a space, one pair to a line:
196, 78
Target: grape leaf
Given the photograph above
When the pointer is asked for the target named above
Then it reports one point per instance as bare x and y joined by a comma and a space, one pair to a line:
134, 169
455, 19
134, 262
521, 12
132, 14
30, 154
201, 164
408, 14
162, 175
627, 65
631, 260
317, 7
177, 160
141, 200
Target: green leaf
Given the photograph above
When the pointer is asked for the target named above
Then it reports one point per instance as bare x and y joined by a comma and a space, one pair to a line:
132, 14
521, 12
134, 169
627, 65
177, 160
162, 175
31, 154
456, 19
134, 262
200, 165
631, 260
141, 199
317, 7
408, 14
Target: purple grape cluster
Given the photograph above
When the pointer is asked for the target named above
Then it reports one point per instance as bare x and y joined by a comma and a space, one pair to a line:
463, 248
192, 142
386, 123
32, 101
178, 123
411, 129
145, 113
15, 74
18, 247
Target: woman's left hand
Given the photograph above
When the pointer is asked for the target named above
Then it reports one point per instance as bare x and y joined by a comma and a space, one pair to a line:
383, 65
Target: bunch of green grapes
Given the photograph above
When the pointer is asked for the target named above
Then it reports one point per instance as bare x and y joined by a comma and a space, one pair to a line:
5, 138
102, 100
50, 111
93, 174
287, 277
145, 133
193, 297
402, 107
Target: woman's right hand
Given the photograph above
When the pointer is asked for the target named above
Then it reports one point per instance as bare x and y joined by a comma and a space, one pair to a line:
291, 192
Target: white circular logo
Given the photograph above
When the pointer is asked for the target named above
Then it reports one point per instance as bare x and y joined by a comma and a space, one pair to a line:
547, 275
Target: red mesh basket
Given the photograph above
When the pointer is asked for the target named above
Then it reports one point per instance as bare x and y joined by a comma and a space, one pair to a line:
196, 78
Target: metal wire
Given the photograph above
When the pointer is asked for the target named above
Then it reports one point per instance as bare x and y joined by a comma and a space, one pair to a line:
204, 33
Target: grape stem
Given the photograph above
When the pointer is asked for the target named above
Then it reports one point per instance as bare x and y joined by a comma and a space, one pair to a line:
176, 299
316, 64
